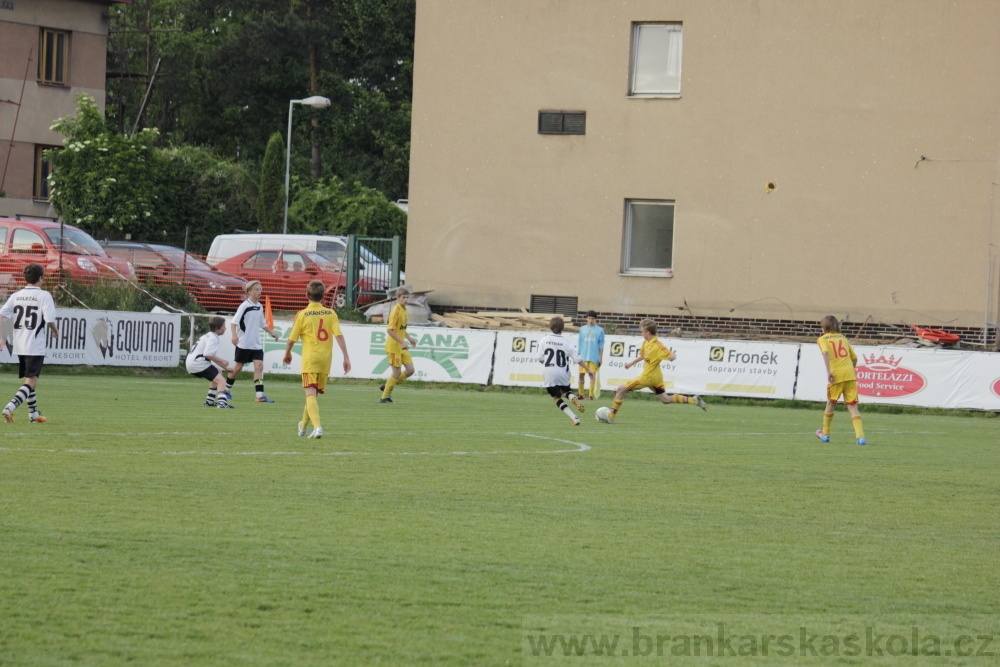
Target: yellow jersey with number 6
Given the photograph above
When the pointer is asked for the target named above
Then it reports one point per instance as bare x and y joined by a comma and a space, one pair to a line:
842, 356
317, 326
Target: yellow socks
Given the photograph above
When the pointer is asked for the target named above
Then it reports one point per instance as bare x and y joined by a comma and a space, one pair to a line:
616, 404
389, 384
305, 415
827, 422
859, 431
312, 409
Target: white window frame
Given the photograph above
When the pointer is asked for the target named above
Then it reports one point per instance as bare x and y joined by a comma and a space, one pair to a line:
627, 269
646, 37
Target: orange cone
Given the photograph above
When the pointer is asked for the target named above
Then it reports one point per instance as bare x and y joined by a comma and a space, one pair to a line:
268, 317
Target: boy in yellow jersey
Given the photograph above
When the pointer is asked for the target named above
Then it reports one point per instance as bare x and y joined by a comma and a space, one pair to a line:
652, 352
397, 346
317, 326
840, 360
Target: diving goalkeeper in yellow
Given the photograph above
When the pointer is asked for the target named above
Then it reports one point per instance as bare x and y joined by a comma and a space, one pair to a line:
652, 352
317, 326
840, 359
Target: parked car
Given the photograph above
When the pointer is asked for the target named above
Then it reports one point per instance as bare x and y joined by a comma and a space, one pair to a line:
284, 275
376, 274
211, 288
56, 247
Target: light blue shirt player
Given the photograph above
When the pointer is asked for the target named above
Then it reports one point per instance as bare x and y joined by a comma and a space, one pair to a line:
590, 343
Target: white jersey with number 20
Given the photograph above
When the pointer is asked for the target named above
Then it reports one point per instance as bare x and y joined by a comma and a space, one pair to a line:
556, 352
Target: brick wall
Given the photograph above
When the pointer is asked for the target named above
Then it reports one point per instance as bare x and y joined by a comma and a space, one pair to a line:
762, 329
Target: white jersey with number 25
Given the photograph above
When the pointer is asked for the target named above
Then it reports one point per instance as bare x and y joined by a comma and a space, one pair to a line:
31, 309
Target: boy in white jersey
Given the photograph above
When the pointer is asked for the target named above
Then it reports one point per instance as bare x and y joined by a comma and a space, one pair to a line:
32, 310
200, 362
556, 352
246, 326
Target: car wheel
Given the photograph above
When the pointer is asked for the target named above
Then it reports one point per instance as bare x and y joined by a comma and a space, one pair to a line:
337, 299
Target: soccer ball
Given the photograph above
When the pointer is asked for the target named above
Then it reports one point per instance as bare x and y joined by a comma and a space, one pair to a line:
603, 414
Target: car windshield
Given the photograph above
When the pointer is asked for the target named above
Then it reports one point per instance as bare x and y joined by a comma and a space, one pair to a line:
180, 258
324, 262
74, 241
368, 256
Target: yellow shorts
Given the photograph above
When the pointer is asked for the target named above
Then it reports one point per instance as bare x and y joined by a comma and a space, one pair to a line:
643, 381
588, 367
401, 359
849, 390
316, 380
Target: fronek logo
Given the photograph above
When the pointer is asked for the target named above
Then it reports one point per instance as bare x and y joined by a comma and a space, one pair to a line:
884, 377
440, 348
996, 387
519, 344
617, 349
717, 353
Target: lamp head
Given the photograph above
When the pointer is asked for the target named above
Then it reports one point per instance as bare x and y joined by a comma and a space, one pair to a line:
317, 102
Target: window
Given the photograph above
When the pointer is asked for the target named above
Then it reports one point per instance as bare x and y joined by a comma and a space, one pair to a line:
562, 122
293, 262
42, 170
656, 60
26, 241
261, 261
53, 47
3, 237
649, 238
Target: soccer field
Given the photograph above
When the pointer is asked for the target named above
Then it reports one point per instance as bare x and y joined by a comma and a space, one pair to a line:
454, 526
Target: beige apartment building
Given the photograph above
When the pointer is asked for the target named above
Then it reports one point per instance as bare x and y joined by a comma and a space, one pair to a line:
754, 160
50, 51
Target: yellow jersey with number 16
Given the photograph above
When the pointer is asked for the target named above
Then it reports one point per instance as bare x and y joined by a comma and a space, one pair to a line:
317, 326
841, 354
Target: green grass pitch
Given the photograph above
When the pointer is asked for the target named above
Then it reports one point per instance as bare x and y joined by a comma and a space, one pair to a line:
138, 526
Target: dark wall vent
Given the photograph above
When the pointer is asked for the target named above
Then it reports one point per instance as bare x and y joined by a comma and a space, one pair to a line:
562, 122
564, 305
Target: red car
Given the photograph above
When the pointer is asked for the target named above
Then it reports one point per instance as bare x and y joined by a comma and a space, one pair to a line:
23, 241
284, 274
212, 288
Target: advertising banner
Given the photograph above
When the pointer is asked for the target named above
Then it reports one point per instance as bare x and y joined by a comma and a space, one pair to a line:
911, 376
726, 368
730, 368
516, 361
107, 338
440, 355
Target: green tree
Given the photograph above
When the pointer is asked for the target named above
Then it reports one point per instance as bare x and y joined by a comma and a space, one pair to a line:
271, 194
117, 187
329, 206
229, 69
102, 181
201, 196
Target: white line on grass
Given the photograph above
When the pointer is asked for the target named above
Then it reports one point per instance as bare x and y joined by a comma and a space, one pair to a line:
578, 447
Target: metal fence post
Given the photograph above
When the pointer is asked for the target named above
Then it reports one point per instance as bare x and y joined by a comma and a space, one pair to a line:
353, 270
395, 262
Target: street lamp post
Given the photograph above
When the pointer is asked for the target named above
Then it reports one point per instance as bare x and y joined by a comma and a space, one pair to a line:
316, 102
